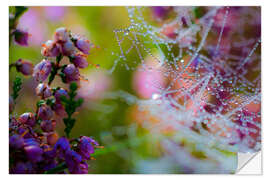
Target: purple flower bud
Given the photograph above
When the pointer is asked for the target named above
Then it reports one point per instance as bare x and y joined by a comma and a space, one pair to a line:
48, 125
16, 141
50, 49
73, 160
45, 112
33, 153
61, 35
28, 118
79, 60
42, 70
86, 147
71, 73
25, 67
62, 144
83, 45
21, 37
59, 109
59, 93
25, 133
43, 90
68, 48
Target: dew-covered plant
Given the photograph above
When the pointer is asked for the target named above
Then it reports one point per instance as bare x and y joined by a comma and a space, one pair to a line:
34, 144
203, 66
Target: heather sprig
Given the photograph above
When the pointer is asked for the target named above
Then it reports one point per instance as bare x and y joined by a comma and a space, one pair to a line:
70, 104
17, 83
35, 146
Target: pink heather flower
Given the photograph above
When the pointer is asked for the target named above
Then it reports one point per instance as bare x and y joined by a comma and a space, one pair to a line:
79, 60
21, 37
48, 125
45, 112
83, 45
71, 73
43, 90
68, 48
25, 67
42, 70
50, 49
61, 35
28, 118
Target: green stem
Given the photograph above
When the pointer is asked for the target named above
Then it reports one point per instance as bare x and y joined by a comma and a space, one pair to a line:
55, 69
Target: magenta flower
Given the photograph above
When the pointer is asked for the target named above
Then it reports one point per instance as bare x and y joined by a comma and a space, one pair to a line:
79, 60
42, 70
71, 73
28, 118
43, 90
21, 37
25, 67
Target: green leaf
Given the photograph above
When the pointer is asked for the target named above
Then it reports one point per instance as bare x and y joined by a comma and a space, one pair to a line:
16, 87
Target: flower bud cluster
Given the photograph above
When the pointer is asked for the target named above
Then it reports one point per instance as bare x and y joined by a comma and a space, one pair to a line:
64, 43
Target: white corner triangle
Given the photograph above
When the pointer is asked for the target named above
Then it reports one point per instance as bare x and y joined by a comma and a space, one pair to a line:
249, 163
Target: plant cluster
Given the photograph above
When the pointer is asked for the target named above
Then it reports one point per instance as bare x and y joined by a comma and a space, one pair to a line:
35, 146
